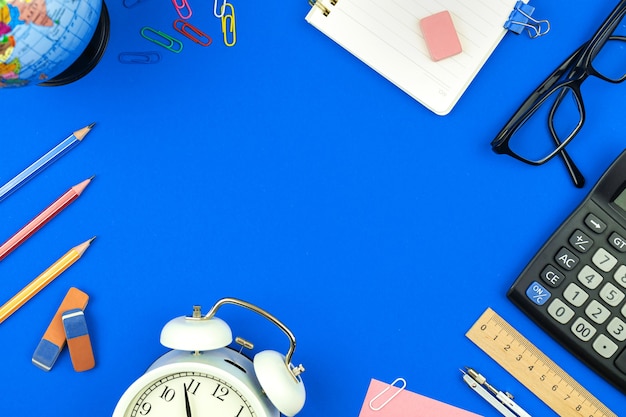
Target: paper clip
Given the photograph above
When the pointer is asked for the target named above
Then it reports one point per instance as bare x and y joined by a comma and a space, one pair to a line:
192, 32
149, 57
215, 13
174, 44
183, 6
130, 3
520, 18
229, 18
400, 388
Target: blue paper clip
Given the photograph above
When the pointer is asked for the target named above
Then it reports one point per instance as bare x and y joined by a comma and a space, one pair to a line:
130, 3
173, 45
192, 32
521, 17
184, 5
228, 25
149, 57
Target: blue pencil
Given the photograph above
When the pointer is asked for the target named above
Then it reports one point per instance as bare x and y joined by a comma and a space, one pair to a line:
42, 163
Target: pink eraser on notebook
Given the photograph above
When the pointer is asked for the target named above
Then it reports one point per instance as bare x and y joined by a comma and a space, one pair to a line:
440, 35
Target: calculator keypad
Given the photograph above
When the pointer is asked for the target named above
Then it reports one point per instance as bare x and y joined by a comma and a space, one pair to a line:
575, 288
600, 308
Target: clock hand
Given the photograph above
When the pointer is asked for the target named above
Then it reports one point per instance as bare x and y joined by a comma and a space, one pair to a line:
187, 406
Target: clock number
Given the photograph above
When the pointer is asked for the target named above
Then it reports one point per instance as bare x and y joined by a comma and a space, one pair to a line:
240, 410
223, 391
193, 386
168, 394
145, 408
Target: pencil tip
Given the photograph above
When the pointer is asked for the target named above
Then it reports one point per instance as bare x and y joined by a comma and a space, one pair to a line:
80, 187
92, 177
83, 246
81, 133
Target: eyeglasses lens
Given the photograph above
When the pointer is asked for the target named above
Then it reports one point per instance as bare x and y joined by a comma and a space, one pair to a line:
557, 120
610, 61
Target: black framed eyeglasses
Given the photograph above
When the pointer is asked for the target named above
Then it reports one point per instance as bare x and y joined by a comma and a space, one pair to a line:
554, 113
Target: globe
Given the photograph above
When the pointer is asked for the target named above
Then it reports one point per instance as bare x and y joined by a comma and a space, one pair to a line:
50, 42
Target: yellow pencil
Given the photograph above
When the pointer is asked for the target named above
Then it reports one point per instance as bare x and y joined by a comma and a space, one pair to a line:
42, 280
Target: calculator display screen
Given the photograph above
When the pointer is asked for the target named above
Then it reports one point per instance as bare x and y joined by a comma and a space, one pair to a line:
620, 200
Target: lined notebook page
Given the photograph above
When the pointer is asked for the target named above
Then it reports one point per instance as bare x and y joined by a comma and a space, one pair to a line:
385, 34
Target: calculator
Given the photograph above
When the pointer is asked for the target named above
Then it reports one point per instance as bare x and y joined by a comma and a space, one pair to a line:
575, 286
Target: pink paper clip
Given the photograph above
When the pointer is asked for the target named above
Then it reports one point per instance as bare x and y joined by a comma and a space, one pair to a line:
192, 32
184, 5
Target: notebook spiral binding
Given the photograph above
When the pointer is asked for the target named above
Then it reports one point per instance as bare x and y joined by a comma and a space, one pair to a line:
324, 9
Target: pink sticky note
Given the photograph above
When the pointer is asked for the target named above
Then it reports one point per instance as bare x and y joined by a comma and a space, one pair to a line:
440, 35
406, 404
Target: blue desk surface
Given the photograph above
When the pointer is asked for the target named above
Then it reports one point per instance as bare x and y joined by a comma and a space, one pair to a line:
285, 172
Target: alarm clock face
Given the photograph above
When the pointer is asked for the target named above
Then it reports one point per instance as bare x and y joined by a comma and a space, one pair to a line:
189, 394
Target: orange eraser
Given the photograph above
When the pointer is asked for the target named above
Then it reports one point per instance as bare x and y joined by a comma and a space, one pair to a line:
440, 35
53, 339
78, 341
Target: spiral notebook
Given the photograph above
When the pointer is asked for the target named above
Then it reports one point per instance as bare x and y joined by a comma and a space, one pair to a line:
385, 35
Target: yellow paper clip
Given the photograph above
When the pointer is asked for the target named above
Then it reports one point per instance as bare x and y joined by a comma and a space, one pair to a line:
215, 13
402, 382
228, 20
173, 44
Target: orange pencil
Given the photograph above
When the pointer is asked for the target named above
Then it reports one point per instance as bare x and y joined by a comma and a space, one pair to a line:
42, 218
45, 278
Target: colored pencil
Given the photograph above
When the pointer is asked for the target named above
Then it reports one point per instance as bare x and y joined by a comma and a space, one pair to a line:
42, 218
42, 163
43, 279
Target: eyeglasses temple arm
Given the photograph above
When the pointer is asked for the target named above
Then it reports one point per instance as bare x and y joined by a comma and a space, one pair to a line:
574, 172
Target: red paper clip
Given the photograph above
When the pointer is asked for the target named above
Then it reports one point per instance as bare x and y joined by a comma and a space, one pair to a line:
192, 32
181, 7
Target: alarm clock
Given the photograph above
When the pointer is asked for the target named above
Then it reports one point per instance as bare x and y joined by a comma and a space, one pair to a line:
204, 376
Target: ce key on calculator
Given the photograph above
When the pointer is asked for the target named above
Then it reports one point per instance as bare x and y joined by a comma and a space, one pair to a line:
575, 286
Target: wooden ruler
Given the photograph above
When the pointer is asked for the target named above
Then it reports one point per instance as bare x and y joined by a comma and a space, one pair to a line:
534, 369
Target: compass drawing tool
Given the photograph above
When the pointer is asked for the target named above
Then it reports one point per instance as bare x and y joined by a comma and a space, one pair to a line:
501, 401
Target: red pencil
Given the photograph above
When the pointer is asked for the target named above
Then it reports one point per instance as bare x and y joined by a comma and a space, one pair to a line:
44, 217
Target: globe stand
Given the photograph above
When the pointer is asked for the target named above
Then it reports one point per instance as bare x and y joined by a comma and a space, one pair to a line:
89, 58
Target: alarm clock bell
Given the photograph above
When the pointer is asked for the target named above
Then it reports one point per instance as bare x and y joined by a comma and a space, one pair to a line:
196, 333
277, 376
